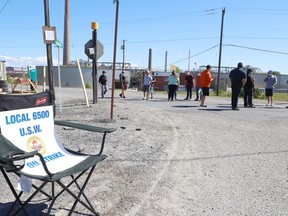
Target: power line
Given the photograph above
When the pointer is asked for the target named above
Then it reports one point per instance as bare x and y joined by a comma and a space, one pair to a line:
251, 48
232, 45
185, 59
4, 6
199, 13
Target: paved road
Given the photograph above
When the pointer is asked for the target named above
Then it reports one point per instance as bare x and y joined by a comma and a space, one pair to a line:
220, 162
176, 158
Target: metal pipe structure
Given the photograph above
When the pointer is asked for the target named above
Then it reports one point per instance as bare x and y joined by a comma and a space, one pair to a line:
95, 71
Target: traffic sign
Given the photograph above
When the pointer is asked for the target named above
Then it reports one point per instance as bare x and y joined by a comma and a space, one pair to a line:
89, 49
58, 44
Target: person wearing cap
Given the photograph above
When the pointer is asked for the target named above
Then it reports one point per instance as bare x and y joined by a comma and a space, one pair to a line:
205, 82
103, 83
271, 82
238, 79
248, 89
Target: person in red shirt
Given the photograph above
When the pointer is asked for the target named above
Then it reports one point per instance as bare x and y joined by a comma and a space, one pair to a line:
198, 87
205, 82
189, 85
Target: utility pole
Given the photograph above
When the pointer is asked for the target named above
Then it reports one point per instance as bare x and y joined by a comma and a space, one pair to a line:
66, 47
123, 48
220, 52
49, 52
114, 57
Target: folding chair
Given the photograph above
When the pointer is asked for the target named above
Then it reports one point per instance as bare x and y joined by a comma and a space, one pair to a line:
30, 148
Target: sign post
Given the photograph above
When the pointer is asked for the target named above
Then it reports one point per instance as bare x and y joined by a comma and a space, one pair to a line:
59, 45
94, 26
94, 50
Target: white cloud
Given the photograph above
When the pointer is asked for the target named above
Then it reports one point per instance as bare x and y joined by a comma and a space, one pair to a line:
25, 61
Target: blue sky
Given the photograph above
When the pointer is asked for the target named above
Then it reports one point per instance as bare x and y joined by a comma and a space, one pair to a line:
255, 32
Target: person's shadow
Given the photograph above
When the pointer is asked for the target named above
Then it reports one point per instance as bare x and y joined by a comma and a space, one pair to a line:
31, 209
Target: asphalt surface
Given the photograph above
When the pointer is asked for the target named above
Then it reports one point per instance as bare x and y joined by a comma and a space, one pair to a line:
221, 162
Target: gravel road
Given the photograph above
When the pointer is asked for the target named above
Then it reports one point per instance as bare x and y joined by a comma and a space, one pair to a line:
176, 158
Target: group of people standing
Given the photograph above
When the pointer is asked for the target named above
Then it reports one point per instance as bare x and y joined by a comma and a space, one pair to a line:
202, 82
241, 79
103, 84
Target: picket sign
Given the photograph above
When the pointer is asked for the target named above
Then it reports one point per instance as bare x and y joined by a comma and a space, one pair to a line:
33, 129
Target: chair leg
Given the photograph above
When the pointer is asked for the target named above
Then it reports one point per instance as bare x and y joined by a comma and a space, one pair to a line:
77, 198
39, 189
17, 197
68, 185
82, 191
84, 195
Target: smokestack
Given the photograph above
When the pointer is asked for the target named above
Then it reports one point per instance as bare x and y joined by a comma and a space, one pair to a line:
166, 56
150, 60
66, 43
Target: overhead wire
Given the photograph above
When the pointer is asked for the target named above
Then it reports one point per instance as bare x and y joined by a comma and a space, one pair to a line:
252, 48
231, 45
191, 56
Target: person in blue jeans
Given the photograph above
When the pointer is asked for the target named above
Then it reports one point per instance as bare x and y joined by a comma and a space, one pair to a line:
103, 83
248, 89
189, 85
173, 82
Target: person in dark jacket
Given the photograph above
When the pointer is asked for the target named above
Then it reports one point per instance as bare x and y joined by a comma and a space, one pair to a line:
103, 82
238, 79
248, 89
189, 85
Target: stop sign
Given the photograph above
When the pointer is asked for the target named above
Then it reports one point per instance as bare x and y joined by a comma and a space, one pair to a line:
89, 49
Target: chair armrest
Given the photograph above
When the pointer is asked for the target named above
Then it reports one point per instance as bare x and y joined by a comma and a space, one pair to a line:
13, 164
16, 162
87, 128
23, 156
84, 126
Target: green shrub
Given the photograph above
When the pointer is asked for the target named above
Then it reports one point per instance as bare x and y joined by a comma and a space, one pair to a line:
10, 79
88, 85
258, 94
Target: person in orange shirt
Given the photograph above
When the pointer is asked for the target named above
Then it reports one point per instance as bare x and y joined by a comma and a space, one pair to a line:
205, 82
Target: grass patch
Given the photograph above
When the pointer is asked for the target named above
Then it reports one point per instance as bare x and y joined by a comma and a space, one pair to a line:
257, 95
280, 96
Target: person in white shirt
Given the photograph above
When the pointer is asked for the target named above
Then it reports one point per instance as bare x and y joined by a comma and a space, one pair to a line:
146, 85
